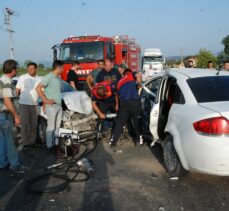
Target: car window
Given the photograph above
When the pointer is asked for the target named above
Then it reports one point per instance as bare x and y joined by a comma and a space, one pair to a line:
210, 89
65, 87
178, 95
153, 86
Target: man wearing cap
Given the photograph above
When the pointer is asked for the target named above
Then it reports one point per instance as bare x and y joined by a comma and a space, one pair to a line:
129, 105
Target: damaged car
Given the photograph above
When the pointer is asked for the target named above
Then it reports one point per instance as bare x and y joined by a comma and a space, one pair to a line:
189, 117
78, 114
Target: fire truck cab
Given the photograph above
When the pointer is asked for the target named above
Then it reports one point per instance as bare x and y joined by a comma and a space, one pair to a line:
89, 49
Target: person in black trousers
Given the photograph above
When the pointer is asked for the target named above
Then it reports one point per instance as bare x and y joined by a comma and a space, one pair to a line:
129, 104
72, 77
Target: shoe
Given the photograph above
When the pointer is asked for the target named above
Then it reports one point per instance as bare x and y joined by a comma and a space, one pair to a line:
111, 142
140, 141
117, 150
5, 167
19, 169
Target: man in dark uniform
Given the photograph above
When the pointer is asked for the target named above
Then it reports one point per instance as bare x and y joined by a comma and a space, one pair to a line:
108, 73
103, 98
129, 105
111, 75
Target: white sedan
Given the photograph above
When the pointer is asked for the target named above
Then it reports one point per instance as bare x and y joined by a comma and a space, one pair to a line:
190, 118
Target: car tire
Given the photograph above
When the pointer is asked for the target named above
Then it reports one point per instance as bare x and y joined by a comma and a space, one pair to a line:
171, 159
42, 126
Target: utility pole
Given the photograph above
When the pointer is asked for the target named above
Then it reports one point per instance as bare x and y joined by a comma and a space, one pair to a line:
8, 22
181, 55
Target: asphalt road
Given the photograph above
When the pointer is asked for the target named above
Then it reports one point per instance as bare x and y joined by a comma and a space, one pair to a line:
132, 180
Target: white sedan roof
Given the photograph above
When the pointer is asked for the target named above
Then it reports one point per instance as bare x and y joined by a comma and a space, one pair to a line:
195, 72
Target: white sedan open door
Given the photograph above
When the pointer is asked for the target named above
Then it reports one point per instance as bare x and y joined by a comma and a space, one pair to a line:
154, 114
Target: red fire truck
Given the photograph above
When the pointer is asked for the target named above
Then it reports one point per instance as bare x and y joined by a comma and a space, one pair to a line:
89, 49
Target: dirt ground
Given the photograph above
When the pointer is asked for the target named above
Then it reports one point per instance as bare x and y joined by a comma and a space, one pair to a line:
132, 180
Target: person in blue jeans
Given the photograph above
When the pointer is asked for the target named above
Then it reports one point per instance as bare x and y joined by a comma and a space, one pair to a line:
51, 97
8, 117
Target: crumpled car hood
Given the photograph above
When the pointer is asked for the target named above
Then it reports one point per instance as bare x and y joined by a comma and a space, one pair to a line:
77, 101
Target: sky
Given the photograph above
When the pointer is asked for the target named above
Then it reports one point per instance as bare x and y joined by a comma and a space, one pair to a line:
175, 26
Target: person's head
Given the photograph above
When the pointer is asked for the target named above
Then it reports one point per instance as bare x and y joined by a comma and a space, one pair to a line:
10, 68
101, 91
210, 65
57, 67
112, 62
107, 65
190, 63
127, 70
32, 68
75, 65
121, 68
226, 65
100, 64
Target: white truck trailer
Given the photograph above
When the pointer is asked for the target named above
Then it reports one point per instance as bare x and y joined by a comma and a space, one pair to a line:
152, 62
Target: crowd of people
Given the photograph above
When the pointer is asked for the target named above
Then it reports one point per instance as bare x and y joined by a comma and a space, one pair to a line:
210, 65
114, 89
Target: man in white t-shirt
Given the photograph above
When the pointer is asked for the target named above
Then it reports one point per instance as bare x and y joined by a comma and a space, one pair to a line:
28, 97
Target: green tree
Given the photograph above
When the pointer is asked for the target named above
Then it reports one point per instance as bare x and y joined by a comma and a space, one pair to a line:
225, 42
40, 66
203, 57
26, 62
222, 57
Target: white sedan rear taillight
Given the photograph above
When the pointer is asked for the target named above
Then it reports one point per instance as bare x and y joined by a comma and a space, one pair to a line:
212, 126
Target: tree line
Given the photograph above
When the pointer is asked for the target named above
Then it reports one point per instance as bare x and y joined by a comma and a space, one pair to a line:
203, 56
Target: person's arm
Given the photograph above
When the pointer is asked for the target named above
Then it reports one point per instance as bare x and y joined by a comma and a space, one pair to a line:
19, 85
18, 91
72, 83
42, 95
116, 102
89, 81
10, 107
99, 77
97, 110
138, 77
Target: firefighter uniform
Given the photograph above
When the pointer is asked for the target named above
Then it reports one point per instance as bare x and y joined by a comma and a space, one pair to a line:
129, 106
106, 103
